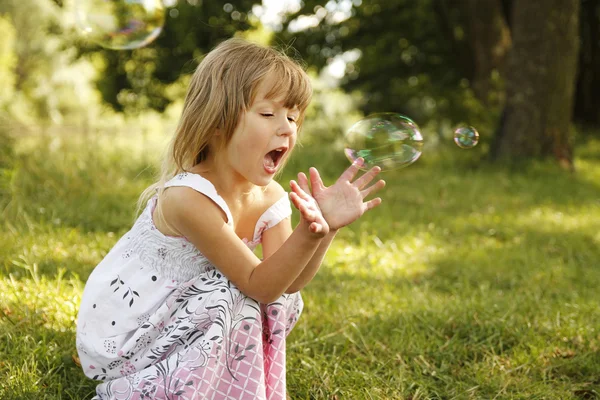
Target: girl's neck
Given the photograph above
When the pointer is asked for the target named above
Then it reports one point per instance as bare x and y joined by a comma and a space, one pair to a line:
229, 184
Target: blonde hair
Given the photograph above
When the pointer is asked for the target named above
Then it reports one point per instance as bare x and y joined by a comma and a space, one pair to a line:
223, 86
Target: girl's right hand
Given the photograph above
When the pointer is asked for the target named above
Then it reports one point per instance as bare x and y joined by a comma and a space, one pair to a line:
343, 202
310, 213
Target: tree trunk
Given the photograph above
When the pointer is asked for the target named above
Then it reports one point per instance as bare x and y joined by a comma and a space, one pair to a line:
587, 95
489, 38
540, 82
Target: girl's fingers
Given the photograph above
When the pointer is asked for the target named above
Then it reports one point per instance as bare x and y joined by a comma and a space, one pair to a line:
298, 190
303, 182
315, 181
295, 200
306, 212
366, 178
315, 228
372, 189
371, 204
351, 172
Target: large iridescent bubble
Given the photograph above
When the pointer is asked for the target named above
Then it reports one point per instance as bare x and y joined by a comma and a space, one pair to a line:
120, 24
388, 140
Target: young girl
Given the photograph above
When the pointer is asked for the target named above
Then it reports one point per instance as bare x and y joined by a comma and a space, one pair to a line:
181, 308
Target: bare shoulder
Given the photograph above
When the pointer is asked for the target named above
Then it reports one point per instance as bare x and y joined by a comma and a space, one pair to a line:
203, 223
273, 193
178, 201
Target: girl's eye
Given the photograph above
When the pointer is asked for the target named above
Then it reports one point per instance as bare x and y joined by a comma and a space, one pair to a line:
291, 119
266, 114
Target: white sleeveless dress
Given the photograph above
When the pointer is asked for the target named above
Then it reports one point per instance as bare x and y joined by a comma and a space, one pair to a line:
158, 321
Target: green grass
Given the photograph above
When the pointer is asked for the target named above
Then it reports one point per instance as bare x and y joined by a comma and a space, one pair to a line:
467, 283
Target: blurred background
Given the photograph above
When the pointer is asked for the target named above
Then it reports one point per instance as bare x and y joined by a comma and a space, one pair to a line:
525, 74
476, 278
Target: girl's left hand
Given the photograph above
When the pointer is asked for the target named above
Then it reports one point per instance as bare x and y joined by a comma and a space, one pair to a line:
343, 202
309, 211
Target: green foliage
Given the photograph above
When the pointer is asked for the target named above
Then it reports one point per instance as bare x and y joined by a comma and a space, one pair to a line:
7, 166
48, 85
329, 115
7, 60
414, 56
465, 283
136, 79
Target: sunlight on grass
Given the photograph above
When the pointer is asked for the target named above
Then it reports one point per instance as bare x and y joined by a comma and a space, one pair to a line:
37, 330
466, 282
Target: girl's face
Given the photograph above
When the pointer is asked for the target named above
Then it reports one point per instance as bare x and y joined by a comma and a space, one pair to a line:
263, 139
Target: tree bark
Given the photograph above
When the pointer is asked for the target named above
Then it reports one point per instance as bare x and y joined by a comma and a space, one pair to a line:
540, 82
587, 95
490, 41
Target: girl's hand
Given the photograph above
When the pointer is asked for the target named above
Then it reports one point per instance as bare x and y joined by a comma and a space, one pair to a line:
342, 203
309, 210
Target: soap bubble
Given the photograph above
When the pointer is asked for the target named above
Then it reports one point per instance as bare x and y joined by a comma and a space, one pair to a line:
120, 24
466, 137
388, 140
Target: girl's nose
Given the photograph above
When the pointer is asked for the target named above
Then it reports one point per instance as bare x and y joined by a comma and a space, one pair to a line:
286, 129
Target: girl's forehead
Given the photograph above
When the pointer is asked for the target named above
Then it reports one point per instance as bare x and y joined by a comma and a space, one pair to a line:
271, 94
290, 91
268, 89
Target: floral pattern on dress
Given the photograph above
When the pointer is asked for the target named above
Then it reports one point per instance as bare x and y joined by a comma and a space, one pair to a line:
157, 320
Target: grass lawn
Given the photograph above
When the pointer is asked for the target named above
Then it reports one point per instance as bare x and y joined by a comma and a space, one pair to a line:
467, 283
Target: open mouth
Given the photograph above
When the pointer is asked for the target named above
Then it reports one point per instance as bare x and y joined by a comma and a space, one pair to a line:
273, 158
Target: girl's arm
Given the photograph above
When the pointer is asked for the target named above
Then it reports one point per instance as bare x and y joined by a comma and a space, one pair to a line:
311, 269
340, 204
204, 224
274, 237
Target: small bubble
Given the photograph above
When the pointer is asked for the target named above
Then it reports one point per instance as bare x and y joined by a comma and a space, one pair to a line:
466, 137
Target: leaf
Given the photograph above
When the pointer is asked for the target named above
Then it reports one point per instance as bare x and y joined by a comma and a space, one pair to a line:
278, 331
237, 348
189, 383
145, 326
180, 393
214, 337
130, 302
125, 295
136, 293
240, 358
115, 290
183, 328
122, 283
251, 347
113, 282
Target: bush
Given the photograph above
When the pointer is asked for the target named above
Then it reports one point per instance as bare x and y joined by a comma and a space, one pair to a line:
7, 165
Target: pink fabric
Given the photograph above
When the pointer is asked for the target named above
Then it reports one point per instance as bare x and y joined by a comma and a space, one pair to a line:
158, 321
